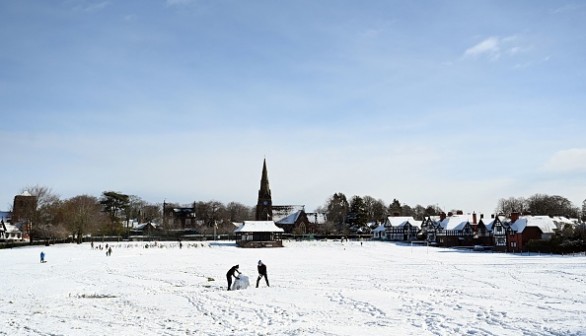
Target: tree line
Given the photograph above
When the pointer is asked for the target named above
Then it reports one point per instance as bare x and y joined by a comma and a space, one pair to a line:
111, 213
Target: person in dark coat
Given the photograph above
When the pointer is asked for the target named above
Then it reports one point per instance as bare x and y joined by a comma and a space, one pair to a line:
262, 272
232, 273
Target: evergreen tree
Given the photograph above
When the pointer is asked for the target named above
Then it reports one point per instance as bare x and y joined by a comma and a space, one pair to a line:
395, 207
337, 208
358, 211
115, 205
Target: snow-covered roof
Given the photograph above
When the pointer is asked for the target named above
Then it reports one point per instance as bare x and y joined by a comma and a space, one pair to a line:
455, 222
25, 193
10, 228
144, 225
258, 226
561, 221
399, 221
289, 220
380, 228
545, 223
282, 211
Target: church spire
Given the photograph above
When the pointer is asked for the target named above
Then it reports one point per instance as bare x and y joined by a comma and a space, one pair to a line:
264, 206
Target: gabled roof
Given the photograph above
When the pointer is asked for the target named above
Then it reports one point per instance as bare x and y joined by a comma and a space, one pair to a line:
282, 211
380, 228
142, 226
400, 221
455, 222
290, 219
258, 226
10, 228
490, 221
544, 223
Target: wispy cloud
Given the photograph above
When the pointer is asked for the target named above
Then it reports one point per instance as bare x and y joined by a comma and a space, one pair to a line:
489, 47
568, 160
495, 47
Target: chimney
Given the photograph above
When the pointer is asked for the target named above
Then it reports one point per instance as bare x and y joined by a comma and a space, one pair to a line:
481, 216
492, 216
514, 216
474, 218
442, 216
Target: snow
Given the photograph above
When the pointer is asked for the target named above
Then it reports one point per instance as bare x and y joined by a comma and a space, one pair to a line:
258, 226
317, 288
400, 221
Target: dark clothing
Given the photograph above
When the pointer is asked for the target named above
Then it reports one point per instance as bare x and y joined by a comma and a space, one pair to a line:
229, 278
262, 272
230, 274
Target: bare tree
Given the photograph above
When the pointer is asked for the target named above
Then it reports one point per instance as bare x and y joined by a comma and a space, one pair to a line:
238, 212
510, 205
83, 214
375, 209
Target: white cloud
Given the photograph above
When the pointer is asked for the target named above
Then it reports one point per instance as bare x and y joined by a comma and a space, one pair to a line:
568, 160
489, 47
494, 48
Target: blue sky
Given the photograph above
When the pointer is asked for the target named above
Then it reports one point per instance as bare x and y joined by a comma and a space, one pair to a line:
454, 103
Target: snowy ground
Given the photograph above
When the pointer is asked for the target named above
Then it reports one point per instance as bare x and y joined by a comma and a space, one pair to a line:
317, 288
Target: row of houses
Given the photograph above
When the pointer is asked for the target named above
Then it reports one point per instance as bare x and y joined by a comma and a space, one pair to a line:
497, 232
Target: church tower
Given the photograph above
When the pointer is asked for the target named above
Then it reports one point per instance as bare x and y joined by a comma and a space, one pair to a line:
264, 206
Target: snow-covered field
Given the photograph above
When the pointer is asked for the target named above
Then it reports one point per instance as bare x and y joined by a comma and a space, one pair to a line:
317, 288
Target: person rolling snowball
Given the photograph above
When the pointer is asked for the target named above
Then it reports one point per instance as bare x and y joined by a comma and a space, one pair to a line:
232, 273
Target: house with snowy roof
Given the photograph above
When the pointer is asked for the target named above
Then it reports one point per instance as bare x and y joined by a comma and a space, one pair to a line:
144, 229
293, 220
454, 230
380, 232
498, 230
522, 229
401, 228
429, 227
259, 234
9, 232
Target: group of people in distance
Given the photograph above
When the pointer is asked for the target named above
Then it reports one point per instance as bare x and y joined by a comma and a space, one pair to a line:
262, 273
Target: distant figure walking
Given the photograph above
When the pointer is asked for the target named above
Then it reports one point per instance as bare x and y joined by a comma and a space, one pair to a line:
42, 256
109, 251
262, 272
232, 273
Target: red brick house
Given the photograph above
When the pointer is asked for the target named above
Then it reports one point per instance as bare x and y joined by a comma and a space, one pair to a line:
522, 229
